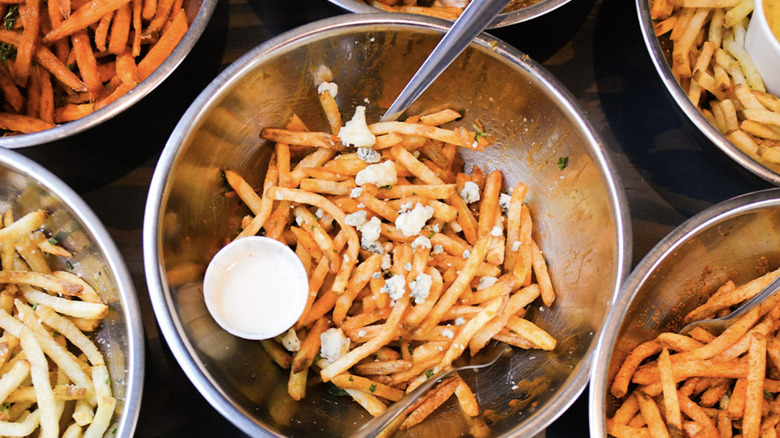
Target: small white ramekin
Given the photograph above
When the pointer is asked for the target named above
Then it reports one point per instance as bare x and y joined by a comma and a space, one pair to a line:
764, 48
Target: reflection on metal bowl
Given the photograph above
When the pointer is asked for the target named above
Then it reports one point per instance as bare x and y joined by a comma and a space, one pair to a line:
518, 11
737, 239
580, 213
25, 187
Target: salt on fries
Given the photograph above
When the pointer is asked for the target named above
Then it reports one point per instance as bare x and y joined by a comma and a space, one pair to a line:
49, 368
703, 385
710, 63
63, 60
410, 261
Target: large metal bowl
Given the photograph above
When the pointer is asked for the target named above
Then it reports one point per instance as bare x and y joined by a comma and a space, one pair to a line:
659, 57
580, 213
26, 186
737, 239
514, 13
198, 15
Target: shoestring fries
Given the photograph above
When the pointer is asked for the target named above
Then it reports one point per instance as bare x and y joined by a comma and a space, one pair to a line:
411, 261
701, 384
63, 60
49, 368
718, 76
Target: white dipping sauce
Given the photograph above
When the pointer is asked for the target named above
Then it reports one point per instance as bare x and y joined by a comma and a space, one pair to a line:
255, 288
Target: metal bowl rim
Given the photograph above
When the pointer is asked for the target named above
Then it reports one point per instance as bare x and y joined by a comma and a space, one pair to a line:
702, 221
502, 20
161, 299
138, 92
693, 114
116, 264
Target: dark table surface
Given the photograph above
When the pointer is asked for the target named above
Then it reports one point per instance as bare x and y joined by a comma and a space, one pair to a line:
593, 47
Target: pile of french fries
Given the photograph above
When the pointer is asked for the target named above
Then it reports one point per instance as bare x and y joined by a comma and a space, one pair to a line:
710, 63
704, 385
52, 375
483, 264
61, 60
448, 10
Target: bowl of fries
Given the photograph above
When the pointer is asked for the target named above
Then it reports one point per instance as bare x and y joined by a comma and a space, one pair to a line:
72, 343
698, 49
715, 384
67, 67
417, 253
517, 11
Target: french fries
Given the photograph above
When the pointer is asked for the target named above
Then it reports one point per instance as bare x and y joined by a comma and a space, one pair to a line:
60, 65
448, 10
411, 262
716, 73
701, 384
40, 315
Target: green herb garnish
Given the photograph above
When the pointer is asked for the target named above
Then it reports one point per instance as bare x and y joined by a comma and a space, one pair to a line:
5, 407
53, 241
480, 132
69, 265
10, 17
409, 347
34, 306
351, 379
563, 162
385, 186
429, 373
372, 388
335, 391
767, 394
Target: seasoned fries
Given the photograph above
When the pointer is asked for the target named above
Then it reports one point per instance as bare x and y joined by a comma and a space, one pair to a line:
58, 64
716, 73
411, 261
702, 384
46, 361
446, 9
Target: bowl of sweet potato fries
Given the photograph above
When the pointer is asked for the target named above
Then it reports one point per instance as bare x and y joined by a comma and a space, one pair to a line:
648, 380
66, 66
698, 49
517, 11
486, 213
72, 342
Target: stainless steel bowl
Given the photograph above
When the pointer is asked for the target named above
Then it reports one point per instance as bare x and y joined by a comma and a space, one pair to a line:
580, 213
24, 187
514, 13
737, 239
658, 56
198, 15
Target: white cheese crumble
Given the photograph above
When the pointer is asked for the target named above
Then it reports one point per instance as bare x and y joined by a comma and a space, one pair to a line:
333, 344
515, 246
456, 227
435, 228
386, 262
486, 282
496, 231
369, 155
299, 220
382, 174
437, 249
354, 193
422, 242
470, 192
447, 333
356, 219
376, 275
408, 266
319, 213
361, 333
503, 201
395, 286
370, 232
466, 253
290, 341
330, 87
355, 132
412, 222
420, 287
460, 321
406, 206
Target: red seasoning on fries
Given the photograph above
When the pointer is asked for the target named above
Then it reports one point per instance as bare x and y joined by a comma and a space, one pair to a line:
411, 262
63, 60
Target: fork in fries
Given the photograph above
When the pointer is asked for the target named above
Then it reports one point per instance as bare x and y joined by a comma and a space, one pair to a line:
410, 260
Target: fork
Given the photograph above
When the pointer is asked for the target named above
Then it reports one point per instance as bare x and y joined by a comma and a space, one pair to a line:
485, 358
716, 326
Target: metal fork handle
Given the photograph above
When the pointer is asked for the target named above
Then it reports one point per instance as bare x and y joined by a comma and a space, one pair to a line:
380, 422
477, 15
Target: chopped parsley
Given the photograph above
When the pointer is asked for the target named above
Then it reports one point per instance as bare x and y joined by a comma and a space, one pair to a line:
69, 265
767, 394
35, 306
10, 17
335, 391
409, 347
563, 162
53, 241
351, 379
480, 132
429, 373
431, 234
113, 431
313, 227
5, 407
385, 187
372, 388
7, 51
